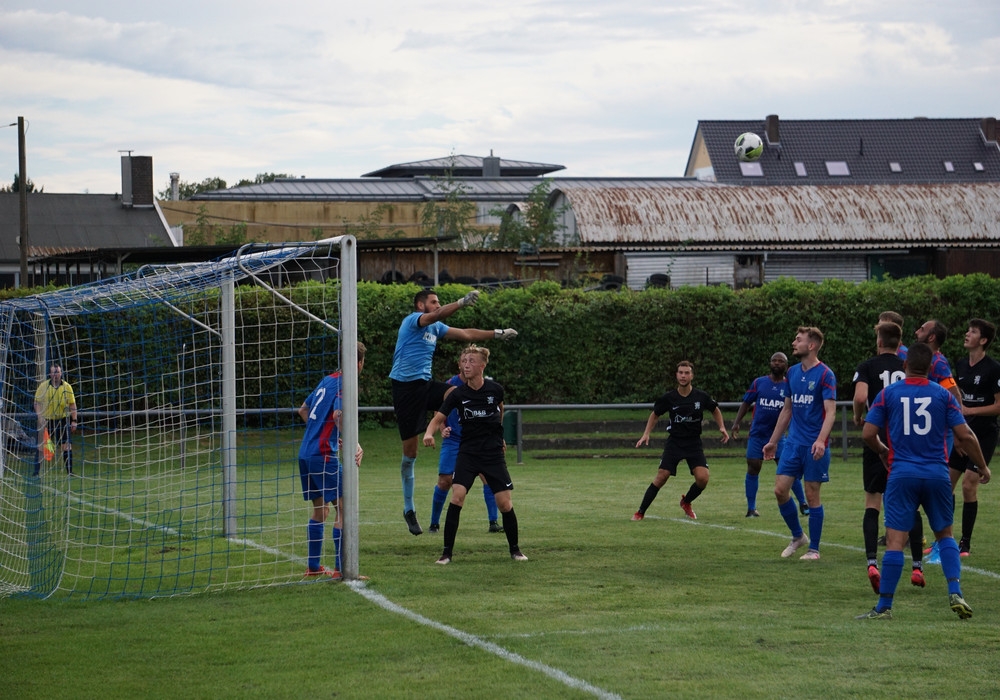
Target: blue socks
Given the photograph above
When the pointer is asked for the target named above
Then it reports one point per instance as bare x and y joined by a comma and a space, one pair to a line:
337, 535
750, 484
314, 531
951, 565
815, 526
437, 504
491, 503
406, 473
892, 569
800, 495
791, 515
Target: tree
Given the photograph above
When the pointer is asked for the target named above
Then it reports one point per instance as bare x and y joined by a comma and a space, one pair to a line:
453, 214
370, 225
185, 190
537, 225
16, 186
204, 232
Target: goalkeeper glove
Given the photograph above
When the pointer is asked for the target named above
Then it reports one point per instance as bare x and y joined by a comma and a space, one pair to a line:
469, 299
504, 333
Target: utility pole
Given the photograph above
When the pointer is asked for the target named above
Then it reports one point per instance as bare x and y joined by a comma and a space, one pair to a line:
22, 192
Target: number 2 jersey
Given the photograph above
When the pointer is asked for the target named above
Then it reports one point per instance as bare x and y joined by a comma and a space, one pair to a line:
322, 436
917, 414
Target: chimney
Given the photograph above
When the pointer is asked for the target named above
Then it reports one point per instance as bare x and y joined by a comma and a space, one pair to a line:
137, 181
988, 127
491, 165
175, 186
771, 132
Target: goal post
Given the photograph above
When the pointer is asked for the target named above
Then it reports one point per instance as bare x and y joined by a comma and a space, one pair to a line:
186, 378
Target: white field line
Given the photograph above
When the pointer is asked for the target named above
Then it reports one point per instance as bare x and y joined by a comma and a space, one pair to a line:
386, 604
474, 641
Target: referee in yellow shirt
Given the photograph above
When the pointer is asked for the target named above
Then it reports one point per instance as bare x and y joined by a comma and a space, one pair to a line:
55, 406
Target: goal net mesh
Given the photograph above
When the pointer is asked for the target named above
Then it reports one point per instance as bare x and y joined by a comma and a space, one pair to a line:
185, 458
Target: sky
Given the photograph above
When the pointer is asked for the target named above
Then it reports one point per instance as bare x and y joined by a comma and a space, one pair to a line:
337, 89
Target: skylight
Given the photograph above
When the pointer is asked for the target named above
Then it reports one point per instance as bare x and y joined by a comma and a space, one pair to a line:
978, 167
751, 170
800, 169
949, 167
895, 167
837, 168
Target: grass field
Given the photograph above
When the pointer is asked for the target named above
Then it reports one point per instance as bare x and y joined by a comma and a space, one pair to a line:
605, 607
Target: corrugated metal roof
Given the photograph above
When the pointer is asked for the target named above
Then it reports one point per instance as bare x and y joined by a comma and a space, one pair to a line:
740, 216
868, 146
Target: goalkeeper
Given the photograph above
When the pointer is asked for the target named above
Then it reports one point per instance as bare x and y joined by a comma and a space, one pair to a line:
413, 392
55, 406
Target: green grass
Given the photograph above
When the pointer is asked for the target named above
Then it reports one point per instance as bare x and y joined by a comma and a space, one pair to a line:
661, 608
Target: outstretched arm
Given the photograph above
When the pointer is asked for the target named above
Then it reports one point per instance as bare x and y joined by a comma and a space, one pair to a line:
443, 312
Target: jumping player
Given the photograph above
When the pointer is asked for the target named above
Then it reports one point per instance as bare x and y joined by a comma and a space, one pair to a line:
413, 392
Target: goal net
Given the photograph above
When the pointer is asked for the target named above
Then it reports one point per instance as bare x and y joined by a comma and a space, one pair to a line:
182, 475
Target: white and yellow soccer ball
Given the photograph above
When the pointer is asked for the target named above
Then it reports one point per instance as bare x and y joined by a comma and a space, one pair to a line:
748, 147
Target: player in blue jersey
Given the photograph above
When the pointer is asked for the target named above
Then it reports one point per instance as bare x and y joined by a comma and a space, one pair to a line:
934, 333
479, 402
897, 318
686, 407
319, 466
808, 414
413, 392
917, 415
451, 439
871, 377
765, 397
978, 382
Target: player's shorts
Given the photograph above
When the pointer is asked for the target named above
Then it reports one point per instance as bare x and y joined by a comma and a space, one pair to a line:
798, 463
904, 494
755, 448
987, 443
320, 476
674, 451
412, 401
873, 471
469, 467
449, 453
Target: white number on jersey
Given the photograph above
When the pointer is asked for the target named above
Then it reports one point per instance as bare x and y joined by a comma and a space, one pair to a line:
920, 412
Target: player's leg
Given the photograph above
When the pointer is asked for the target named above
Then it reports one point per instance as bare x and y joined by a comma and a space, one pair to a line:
498, 479
669, 460
409, 400
698, 466
751, 482
789, 469
873, 476
446, 469
939, 505
464, 478
970, 490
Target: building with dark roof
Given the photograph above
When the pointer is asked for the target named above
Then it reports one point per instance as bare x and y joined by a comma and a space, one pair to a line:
849, 152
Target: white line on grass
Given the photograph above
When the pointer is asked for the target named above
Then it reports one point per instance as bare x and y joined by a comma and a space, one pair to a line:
386, 604
474, 641
852, 548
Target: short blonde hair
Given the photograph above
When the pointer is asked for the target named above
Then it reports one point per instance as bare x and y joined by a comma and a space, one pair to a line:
477, 350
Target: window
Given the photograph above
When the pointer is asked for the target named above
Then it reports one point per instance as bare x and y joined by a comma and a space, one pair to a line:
837, 168
978, 167
751, 170
949, 167
800, 169
895, 167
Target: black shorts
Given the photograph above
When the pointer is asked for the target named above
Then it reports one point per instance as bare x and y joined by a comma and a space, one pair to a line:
987, 443
469, 467
674, 451
873, 471
412, 401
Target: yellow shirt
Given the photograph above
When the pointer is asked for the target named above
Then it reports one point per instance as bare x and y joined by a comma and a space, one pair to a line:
54, 401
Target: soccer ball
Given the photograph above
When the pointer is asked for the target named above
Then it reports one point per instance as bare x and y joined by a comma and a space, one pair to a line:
749, 147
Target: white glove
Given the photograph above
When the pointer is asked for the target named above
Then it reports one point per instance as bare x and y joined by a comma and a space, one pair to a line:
504, 333
469, 299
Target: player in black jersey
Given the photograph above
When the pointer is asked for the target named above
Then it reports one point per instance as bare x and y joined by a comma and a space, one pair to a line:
479, 403
872, 376
978, 378
686, 406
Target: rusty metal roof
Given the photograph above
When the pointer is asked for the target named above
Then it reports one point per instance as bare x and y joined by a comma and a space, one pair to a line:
853, 216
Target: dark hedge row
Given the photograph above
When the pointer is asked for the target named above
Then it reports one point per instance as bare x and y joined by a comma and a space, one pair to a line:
614, 347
